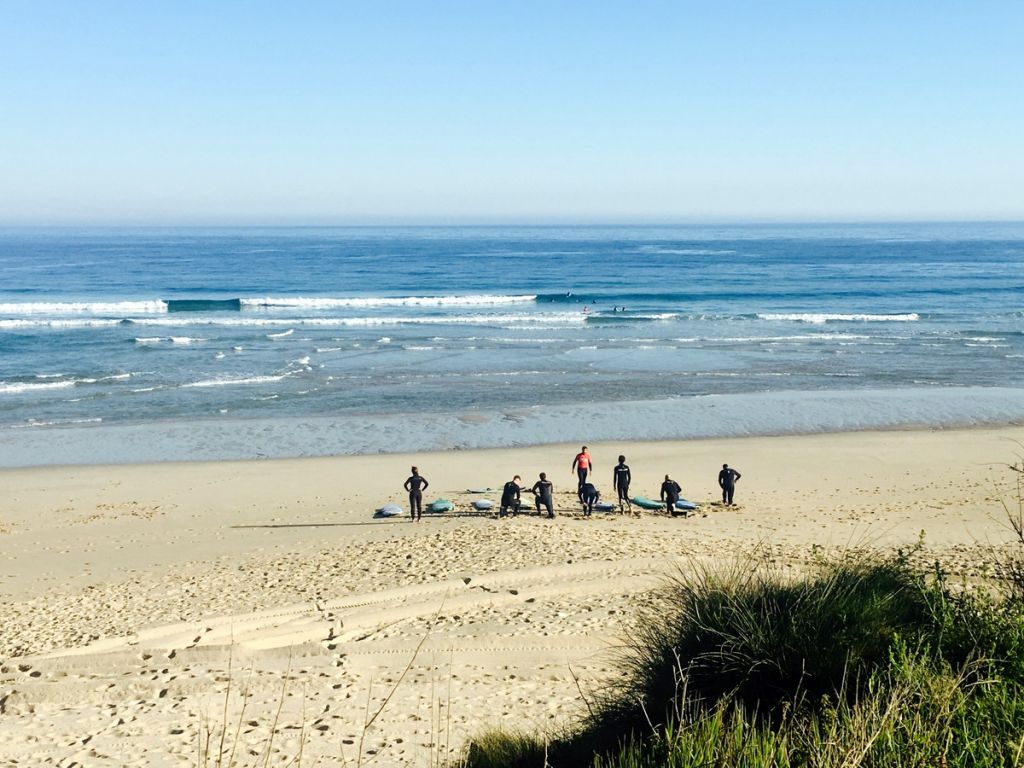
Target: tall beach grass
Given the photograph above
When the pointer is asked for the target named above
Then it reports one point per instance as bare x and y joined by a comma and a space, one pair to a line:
862, 662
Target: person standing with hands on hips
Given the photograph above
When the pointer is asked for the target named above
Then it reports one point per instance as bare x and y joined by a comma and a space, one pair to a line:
416, 485
582, 465
727, 482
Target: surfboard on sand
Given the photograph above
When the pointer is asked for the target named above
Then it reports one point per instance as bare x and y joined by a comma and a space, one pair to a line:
389, 510
687, 505
483, 504
644, 503
439, 506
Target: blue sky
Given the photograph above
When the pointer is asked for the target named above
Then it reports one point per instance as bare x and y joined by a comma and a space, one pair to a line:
333, 112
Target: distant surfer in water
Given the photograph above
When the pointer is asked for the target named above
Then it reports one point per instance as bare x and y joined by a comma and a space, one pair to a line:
620, 482
727, 482
581, 465
670, 491
416, 485
544, 491
510, 497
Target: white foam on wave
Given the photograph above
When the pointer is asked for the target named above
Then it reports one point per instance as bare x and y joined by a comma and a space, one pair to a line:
22, 323
825, 317
17, 388
302, 302
637, 316
361, 322
233, 382
82, 307
64, 423
282, 335
185, 340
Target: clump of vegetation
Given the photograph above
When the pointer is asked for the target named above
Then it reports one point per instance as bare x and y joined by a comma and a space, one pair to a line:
859, 663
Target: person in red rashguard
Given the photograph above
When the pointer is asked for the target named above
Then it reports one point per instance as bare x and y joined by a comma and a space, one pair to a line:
582, 465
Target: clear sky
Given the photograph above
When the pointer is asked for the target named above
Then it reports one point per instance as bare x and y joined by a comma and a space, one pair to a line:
365, 112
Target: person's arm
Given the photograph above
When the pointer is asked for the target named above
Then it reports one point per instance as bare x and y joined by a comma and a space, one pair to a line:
629, 477
518, 491
721, 480
406, 486
662, 491
425, 483
615, 480
737, 476
575, 461
534, 489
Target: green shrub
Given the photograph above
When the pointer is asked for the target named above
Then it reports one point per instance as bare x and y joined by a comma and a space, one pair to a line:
857, 664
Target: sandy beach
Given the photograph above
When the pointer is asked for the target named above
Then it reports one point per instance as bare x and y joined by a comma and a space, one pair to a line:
161, 614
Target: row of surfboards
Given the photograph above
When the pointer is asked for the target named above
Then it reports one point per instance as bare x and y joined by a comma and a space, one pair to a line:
440, 506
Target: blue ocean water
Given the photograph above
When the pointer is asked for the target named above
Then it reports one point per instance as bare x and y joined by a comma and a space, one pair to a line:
229, 326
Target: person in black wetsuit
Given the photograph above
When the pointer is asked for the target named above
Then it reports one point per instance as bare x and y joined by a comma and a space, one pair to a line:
620, 482
510, 497
727, 482
416, 485
589, 495
670, 491
544, 491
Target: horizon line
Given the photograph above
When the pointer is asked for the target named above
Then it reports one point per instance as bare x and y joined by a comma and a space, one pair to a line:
518, 223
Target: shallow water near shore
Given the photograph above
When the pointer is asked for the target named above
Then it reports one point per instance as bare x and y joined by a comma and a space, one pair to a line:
268, 342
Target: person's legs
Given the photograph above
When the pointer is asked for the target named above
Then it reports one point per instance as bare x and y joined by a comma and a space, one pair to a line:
416, 504
729, 491
582, 475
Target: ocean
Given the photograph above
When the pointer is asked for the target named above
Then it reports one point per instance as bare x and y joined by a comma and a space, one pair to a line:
173, 344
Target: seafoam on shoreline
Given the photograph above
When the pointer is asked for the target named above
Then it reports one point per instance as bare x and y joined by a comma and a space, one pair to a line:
709, 416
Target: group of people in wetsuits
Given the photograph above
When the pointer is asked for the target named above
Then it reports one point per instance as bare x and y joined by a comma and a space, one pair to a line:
583, 464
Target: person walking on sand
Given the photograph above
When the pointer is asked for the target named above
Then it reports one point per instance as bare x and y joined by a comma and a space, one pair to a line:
416, 485
727, 482
589, 495
620, 482
582, 465
670, 491
510, 497
543, 492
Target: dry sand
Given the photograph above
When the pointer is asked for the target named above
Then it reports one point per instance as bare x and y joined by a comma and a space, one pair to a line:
157, 614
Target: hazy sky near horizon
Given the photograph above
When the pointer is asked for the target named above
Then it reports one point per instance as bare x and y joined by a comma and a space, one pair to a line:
338, 112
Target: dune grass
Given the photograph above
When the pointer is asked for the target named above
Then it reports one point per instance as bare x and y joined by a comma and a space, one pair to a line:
858, 663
